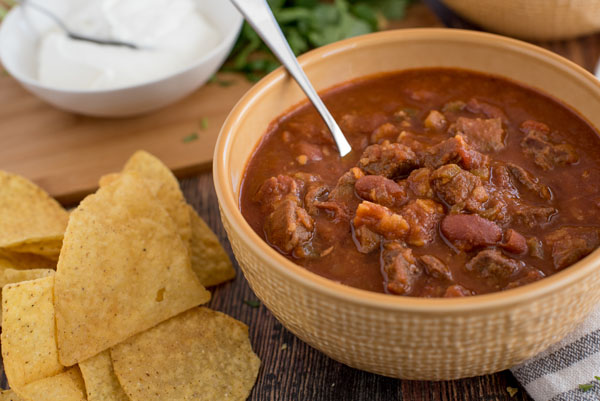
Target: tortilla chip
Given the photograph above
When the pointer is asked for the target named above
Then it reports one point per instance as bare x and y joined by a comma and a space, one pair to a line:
122, 270
6, 264
48, 248
108, 178
9, 395
17, 260
67, 386
28, 333
165, 187
11, 276
209, 260
28, 215
200, 354
101, 383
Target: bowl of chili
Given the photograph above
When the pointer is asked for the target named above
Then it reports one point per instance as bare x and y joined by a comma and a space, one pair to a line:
432, 331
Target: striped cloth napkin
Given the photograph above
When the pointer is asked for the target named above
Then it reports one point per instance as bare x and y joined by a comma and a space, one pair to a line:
567, 370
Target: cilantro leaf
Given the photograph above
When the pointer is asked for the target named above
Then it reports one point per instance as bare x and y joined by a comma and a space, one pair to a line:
203, 123
252, 303
586, 387
308, 24
190, 138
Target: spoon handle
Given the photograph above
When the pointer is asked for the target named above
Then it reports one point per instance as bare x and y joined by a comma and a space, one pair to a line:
260, 17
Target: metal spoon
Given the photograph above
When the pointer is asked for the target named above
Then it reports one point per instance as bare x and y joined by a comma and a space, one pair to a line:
261, 18
73, 35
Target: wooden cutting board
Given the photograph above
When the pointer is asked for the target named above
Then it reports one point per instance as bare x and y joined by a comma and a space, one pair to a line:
66, 153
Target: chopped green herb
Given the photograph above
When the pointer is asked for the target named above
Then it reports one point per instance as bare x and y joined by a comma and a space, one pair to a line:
597, 377
586, 387
252, 303
5, 73
203, 123
308, 24
512, 391
221, 82
190, 138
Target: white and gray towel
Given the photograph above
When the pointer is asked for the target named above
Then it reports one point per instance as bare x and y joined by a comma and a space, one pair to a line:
567, 370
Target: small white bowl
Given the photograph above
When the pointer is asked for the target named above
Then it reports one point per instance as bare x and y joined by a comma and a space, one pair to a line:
19, 39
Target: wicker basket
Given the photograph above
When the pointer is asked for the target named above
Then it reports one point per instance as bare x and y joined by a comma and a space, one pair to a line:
404, 337
532, 19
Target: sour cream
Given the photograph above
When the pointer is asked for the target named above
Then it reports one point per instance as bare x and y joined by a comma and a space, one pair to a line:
172, 33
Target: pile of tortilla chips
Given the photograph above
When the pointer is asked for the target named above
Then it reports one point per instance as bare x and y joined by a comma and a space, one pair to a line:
103, 304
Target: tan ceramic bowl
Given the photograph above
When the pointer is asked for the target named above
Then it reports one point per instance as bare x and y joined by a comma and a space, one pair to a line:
410, 338
532, 19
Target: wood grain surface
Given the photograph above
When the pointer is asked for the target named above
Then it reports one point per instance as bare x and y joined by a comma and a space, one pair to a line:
65, 153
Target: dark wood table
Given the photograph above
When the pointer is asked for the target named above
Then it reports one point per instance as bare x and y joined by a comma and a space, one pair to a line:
292, 370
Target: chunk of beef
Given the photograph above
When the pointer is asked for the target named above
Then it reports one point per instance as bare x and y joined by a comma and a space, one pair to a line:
529, 181
435, 268
306, 178
485, 135
387, 131
468, 231
314, 132
456, 186
388, 159
514, 242
361, 123
289, 227
316, 193
381, 190
366, 241
570, 244
423, 217
546, 154
531, 276
492, 264
454, 150
381, 220
307, 152
277, 189
457, 290
435, 121
477, 106
506, 204
416, 142
419, 183
501, 178
400, 268
532, 216
496, 209
535, 248
341, 199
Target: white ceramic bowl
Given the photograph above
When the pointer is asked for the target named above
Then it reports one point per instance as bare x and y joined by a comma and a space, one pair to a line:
19, 37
